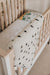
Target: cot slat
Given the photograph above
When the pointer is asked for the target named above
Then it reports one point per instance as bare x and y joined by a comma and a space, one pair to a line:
19, 7
12, 10
9, 12
2, 21
22, 6
15, 9
45, 31
5, 14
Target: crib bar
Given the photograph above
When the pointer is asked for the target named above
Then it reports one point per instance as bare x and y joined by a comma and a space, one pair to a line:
45, 28
5, 14
2, 22
46, 12
12, 10
11, 57
8, 11
15, 9
1, 19
7, 58
21, 6
19, 71
24, 5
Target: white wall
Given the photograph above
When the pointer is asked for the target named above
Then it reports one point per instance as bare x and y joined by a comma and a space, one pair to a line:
39, 5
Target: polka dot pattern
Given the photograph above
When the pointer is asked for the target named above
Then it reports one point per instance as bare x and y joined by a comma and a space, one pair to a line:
26, 43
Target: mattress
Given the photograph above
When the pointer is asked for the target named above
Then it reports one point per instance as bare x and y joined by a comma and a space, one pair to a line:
12, 31
23, 37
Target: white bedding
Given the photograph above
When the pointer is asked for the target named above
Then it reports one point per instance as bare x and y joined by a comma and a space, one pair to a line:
11, 32
25, 43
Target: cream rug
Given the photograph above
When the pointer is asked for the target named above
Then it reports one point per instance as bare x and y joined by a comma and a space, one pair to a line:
42, 66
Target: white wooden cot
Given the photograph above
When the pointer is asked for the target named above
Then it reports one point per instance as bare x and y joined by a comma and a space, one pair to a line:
8, 8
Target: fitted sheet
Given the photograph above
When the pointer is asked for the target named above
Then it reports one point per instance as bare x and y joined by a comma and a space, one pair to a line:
11, 32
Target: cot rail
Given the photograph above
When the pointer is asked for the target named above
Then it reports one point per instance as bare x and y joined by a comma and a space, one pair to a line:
10, 10
45, 30
9, 17
7, 58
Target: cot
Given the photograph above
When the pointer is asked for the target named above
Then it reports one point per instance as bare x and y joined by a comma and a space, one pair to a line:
10, 12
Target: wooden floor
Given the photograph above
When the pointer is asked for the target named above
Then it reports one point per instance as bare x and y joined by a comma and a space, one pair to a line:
42, 66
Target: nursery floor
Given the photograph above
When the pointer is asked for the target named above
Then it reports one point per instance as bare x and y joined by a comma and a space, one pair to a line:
42, 66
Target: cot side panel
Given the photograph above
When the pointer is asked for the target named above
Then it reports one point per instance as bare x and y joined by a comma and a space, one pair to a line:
45, 31
8, 62
11, 10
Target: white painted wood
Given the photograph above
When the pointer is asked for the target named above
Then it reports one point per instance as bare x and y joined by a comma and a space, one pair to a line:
12, 10
6, 65
5, 14
9, 11
15, 2
1, 67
